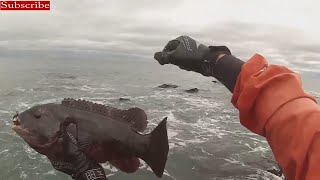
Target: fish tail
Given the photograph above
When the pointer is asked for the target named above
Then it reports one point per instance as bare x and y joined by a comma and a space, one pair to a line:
157, 152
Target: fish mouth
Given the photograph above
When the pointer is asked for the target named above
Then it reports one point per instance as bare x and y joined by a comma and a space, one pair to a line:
27, 135
17, 127
21, 131
30, 137
33, 139
16, 121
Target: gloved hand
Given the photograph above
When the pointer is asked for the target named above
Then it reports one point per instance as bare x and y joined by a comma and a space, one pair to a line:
77, 164
186, 53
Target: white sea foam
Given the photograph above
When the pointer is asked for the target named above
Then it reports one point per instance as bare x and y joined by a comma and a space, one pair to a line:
4, 112
263, 175
166, 173
172, 145
53, 100
52, 172
20, 89
258, 140
109, 167
24, 105
110, 174
234, 161
95, 89
201, 102
256, 149
174, 123
4, 151
313, 93
205, 152
195, 101
195, 141
143, 165
23, 175
32, 154
172, 134
208, 127
86, 88
182, 144
203, 131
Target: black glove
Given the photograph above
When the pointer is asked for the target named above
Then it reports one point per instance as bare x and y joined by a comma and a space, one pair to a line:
84, 167
62, 166
186, 53
77, 164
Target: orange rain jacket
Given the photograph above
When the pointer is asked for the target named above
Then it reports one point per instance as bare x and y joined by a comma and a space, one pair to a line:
272, 103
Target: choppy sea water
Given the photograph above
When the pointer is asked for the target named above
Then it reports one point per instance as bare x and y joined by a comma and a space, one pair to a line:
206, 140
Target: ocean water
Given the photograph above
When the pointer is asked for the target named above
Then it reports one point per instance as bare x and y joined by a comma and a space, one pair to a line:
206, 140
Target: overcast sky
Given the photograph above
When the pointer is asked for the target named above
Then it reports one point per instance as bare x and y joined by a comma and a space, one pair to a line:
286, 32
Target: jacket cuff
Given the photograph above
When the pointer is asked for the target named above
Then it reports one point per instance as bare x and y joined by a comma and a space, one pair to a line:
227, 70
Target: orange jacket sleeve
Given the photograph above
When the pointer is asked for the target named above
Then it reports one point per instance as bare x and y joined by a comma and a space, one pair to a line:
272, 103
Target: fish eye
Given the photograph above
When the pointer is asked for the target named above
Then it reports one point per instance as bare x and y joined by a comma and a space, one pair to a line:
37, 114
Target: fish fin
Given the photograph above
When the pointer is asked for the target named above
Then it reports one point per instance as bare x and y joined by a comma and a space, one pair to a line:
91, 107
137, 117
83, 141
157, 152
127, 165
83, 145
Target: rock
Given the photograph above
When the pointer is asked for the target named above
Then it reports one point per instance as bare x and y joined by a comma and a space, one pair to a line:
124, 99
193, 90
275, 171
167, 86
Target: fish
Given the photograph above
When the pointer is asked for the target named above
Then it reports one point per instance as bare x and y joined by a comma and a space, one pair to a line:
102, 132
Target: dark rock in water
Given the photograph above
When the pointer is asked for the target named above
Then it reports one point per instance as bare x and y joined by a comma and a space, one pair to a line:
214, 81
193, 90
124, 99
276, 171
167, 86
61, 76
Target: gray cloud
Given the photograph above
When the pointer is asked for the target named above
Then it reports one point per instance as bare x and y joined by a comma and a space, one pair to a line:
74, 29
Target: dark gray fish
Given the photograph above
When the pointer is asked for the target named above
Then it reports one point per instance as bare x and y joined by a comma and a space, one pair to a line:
103, 133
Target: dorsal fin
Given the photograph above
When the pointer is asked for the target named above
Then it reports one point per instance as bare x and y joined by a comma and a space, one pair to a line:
135, 116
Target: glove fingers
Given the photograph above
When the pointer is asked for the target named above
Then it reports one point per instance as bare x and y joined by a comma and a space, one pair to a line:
67, 138
188, 43
70, 146
163, 57
159, 57
172, 45
183, 42
224, 49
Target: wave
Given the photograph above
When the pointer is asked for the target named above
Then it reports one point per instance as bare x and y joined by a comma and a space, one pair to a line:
21, 89
88, 88
263, 175
4, 112
314, 94
61, 76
